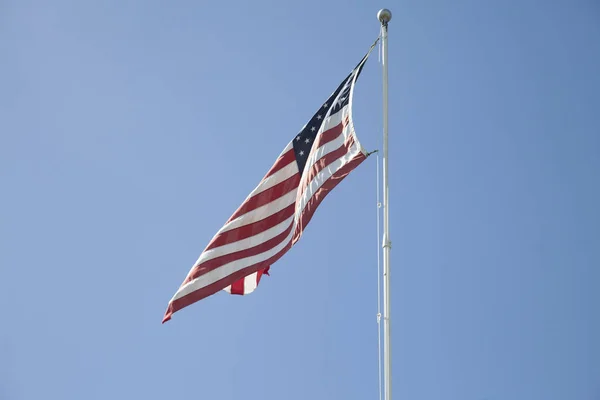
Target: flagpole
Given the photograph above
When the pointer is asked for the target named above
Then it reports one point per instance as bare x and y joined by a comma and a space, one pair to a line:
384, 16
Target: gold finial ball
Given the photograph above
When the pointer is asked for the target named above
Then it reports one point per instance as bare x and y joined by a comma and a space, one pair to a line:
384, 15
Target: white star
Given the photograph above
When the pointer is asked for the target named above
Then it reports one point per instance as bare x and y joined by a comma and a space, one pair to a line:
307, 140
312, 129
301, 153
319, 116
298, 138
325, 105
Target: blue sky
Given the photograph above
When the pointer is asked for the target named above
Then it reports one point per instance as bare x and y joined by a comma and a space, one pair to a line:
130, 131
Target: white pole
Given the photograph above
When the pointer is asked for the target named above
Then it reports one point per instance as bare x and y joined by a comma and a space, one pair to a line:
384, 17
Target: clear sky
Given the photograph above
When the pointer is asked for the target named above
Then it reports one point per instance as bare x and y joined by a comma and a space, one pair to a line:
131, 130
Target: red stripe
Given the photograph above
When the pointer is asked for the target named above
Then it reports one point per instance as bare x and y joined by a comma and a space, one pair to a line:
242, 291
323, 162
214, 263
328, 135
267, 196
237, 287
260, 273
220, 285
283, 160
252, 229
322, 192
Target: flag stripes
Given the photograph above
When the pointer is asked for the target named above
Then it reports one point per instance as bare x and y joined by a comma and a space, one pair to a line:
275, 214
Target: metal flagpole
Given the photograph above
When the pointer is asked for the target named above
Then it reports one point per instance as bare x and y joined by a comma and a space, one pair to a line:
384, 16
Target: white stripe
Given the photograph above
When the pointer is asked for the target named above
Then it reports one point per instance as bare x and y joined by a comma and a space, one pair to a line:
327, 148
230, 268
317, 153
289, 146
322, 177
261, 212
278, 177
245, 243
250, 283
281, 176
334, 120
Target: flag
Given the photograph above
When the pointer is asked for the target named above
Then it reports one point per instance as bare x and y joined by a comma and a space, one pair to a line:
274, 215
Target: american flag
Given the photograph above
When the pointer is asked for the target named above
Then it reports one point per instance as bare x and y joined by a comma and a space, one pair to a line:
274, 215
